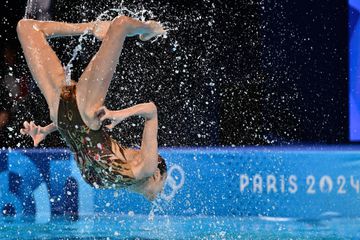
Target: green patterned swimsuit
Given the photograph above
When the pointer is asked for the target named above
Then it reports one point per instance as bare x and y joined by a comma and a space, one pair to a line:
100, 158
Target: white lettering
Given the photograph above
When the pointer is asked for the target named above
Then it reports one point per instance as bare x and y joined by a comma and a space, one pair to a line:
310, 181
341, 182
355, 184
282, 183
271, 183
326, 180
257, 184
293, 186
244, 182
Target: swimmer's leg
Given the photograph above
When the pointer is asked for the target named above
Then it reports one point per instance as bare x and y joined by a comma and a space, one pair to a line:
44, 65
95, 80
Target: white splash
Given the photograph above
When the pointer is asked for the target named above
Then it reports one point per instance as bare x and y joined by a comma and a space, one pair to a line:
29, 7
76, 51
105, 16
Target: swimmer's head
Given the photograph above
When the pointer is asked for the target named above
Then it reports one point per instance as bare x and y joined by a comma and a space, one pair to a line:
154, 184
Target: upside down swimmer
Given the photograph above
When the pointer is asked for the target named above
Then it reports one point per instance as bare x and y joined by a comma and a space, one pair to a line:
78, 112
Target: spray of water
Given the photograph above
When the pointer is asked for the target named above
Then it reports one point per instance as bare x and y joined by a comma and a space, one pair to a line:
155, 207
173, 184
29, 7
107, 15
76, 51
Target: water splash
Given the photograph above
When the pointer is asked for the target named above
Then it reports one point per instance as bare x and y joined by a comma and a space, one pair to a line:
76, 51
29, 7
39, 10
141, 15
157, 206
175, 183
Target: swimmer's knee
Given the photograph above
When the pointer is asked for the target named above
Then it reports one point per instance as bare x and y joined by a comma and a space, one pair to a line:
89, 116
91, 120
24, 25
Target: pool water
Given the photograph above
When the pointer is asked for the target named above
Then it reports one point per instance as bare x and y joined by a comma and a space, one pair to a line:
199, 227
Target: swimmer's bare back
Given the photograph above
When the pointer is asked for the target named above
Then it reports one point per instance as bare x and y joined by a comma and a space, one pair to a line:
92, 86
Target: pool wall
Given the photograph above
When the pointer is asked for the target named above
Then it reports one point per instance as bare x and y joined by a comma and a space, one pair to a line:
275, 182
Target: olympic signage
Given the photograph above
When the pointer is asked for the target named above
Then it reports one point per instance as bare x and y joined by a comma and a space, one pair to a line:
313, 185
301, 183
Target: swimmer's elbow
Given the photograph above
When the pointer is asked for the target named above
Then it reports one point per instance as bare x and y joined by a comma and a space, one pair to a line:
150, 110
153, 107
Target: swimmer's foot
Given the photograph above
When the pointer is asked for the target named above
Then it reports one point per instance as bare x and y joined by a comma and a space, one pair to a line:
155, 29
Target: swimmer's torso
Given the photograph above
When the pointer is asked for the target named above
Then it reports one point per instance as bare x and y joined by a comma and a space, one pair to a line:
102, 161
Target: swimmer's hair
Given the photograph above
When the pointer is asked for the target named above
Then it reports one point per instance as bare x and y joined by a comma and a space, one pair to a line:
162, 166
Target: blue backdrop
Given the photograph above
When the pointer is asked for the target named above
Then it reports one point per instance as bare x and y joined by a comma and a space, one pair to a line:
278, 182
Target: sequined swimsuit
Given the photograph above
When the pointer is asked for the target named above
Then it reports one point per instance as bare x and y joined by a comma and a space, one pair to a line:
100, 158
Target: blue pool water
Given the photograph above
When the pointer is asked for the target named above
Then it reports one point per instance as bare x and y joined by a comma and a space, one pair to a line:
199, 227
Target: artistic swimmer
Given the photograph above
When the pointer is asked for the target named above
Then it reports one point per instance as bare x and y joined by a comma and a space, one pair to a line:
77, 111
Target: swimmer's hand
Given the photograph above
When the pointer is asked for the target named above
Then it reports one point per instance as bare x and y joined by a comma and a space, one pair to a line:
36, 132
115, 117
155, 29
100, 29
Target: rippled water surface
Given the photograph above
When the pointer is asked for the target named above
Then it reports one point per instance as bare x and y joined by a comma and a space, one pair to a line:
164, 227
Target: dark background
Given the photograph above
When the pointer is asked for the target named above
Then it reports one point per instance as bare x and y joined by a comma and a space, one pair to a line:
230, 72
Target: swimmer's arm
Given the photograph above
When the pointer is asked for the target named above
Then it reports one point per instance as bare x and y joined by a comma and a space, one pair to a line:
149, 143
59, 29
145, 110
148, 161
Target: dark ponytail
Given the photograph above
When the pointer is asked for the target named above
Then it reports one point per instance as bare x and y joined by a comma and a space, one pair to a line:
162, 166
